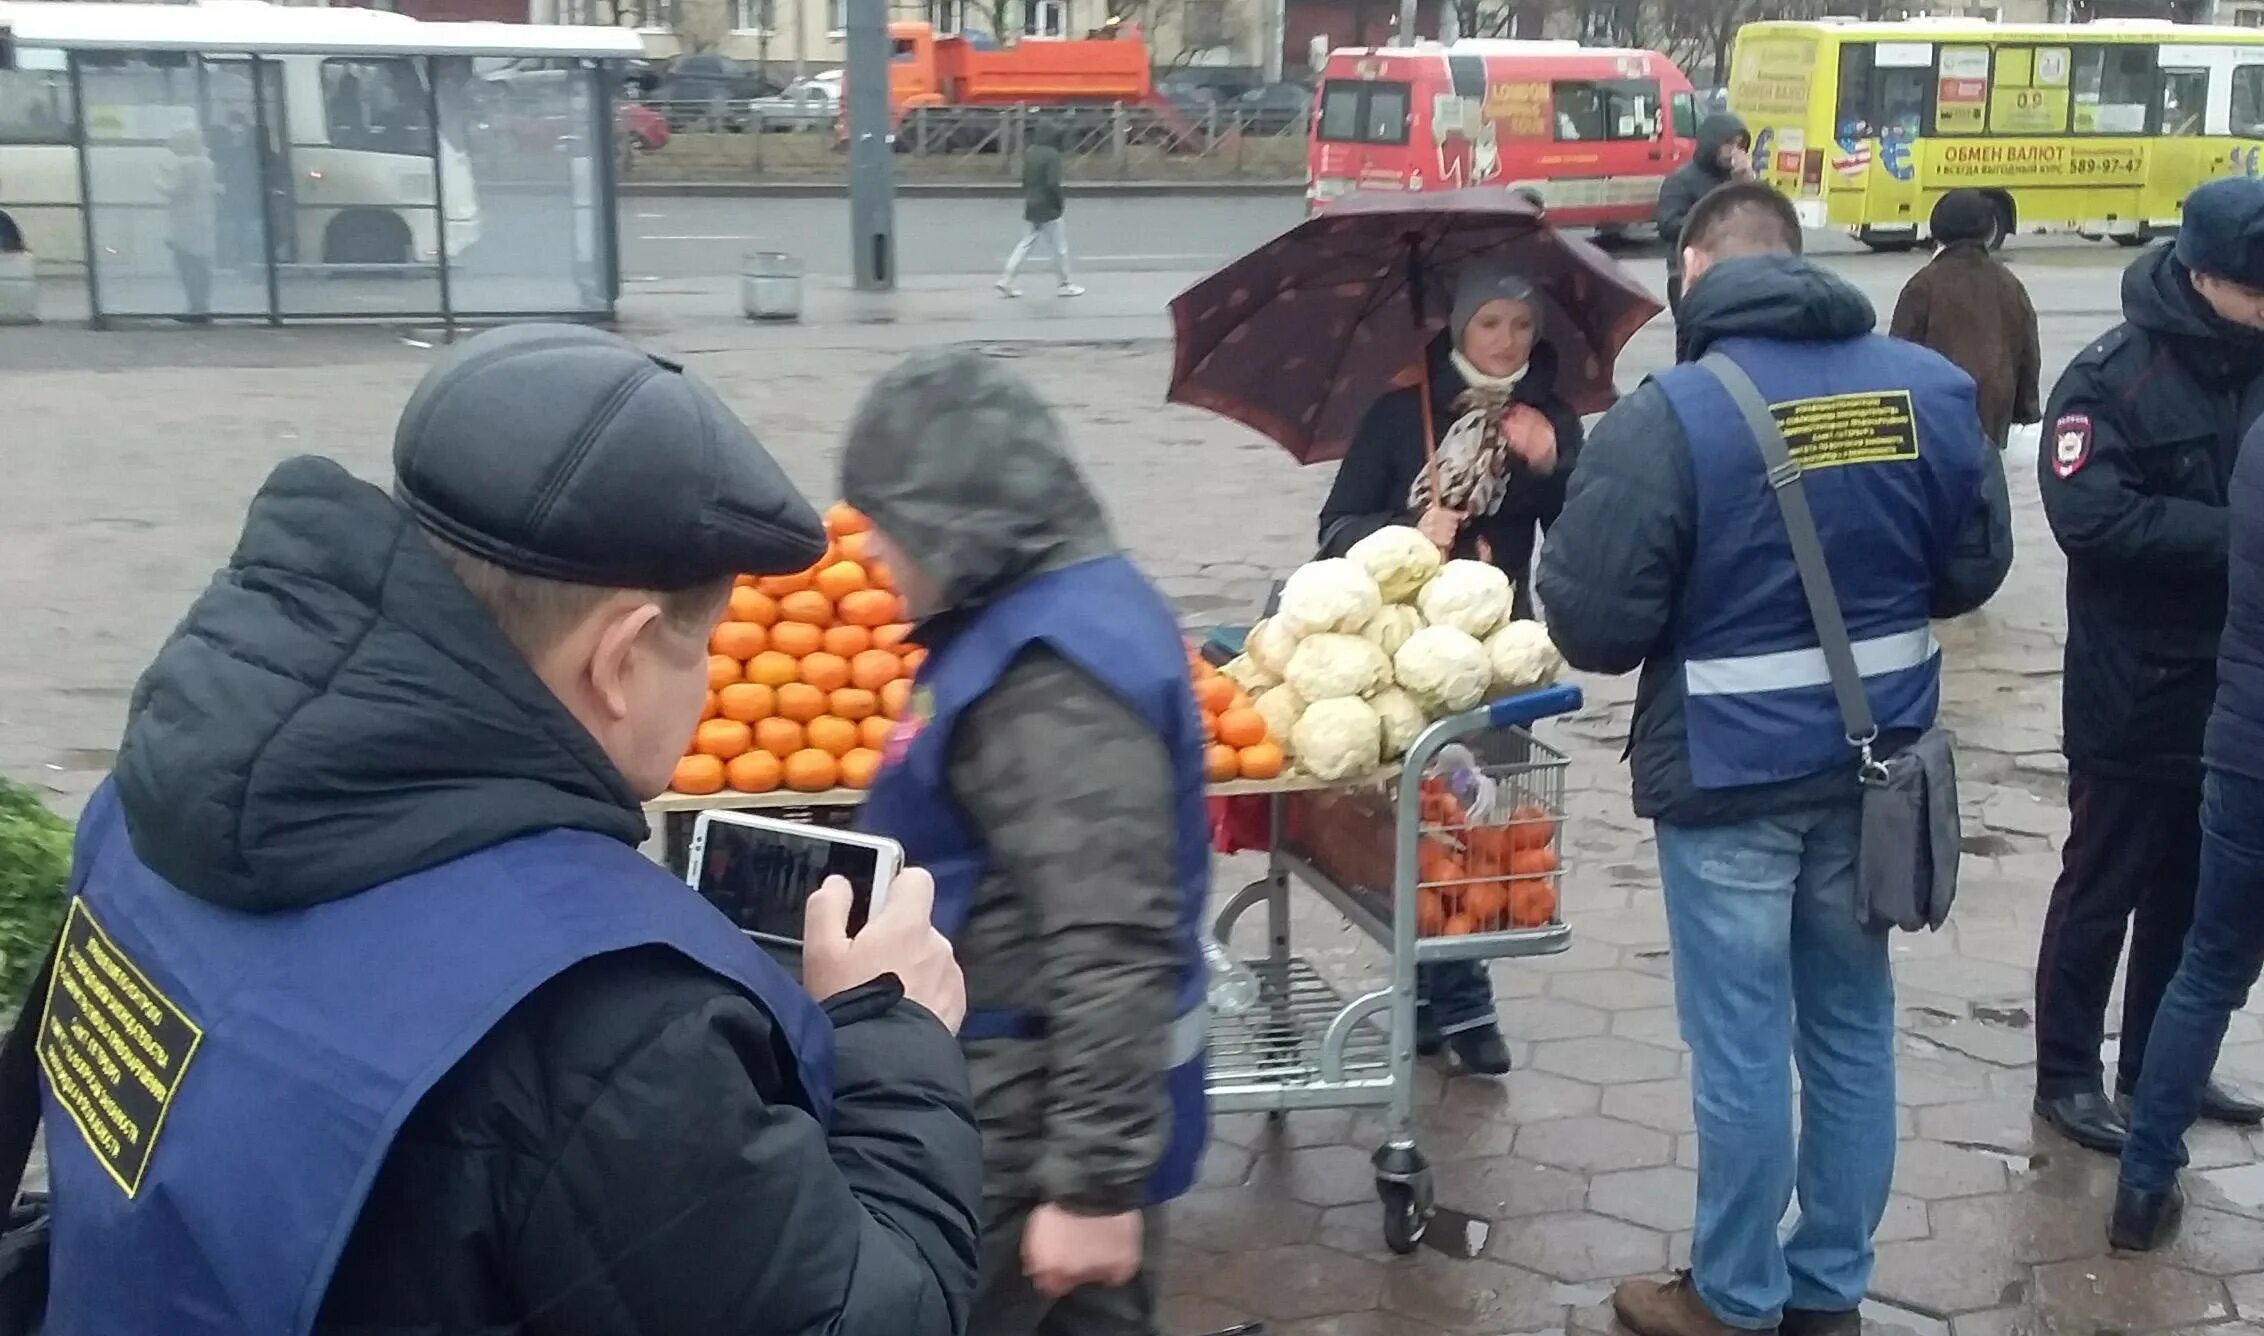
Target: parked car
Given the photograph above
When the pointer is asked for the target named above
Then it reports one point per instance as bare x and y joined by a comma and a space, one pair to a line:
807, 104
1198, 88
707, 87
1274, 109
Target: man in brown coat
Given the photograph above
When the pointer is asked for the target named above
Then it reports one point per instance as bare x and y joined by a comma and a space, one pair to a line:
1968, 307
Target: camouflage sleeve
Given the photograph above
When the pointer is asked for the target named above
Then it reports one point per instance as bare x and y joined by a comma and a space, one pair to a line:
1071, 792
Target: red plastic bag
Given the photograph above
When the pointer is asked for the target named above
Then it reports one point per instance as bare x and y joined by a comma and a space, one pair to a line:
1242, 824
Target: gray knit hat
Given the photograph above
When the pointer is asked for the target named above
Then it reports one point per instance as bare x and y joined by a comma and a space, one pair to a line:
1480, 283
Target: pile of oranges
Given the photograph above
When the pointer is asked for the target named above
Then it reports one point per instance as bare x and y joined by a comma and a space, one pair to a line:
1236, 741
807, 675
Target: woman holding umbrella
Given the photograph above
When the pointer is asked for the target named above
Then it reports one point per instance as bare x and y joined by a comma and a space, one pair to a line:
1475, 456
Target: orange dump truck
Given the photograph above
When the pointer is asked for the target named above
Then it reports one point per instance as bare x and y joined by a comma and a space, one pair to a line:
930, 71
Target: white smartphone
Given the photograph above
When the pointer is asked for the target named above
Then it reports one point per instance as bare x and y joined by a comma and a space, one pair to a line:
761, 871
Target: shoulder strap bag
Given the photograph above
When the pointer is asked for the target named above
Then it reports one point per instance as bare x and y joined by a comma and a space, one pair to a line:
1906, 872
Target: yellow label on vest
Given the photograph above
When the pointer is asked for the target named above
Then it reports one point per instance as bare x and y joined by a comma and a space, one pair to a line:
114, 1048
1875, 427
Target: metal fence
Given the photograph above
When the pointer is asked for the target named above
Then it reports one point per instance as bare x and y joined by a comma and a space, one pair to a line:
765, 141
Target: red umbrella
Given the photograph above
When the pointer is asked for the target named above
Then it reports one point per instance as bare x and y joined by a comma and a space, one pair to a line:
1299, 337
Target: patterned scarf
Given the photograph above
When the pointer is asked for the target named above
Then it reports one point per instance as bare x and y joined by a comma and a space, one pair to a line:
1473, 458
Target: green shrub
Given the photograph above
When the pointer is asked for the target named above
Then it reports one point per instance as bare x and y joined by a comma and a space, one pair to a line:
35, 868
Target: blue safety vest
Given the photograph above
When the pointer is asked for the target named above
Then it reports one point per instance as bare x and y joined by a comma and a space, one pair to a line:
221, 1087
1103, 617
1891, 453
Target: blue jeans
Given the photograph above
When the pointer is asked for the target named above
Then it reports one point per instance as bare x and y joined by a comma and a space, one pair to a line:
1772, 969
1451, 997
2224, 950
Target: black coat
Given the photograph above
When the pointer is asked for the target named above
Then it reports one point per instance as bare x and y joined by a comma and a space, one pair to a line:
1692, 182
1613, 572
2139, 443
1387, 456
2236, 727
628, 1151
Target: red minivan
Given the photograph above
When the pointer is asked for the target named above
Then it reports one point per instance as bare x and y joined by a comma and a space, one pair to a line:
1594, 130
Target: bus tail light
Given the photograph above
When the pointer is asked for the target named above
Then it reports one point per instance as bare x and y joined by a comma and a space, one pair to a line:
1812, 170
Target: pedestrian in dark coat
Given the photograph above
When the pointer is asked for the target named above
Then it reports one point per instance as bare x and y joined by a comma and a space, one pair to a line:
1725, 154
1967, 306
1493, 403
2143, 429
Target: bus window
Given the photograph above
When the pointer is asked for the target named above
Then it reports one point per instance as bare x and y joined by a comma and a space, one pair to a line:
2248, 101
378, 104
2114, 86
1579, 112
1366, 112
1685, 116
1852, 118
1879, 97
1606, 109
35, 107
2185, 95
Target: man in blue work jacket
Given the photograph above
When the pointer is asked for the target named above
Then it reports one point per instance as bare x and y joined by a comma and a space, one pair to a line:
1671, 556
369, 1016
1050, 773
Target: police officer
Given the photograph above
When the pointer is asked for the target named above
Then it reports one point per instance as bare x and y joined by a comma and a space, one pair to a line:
1670, 555
1051, 775
2139, 443
369, 1016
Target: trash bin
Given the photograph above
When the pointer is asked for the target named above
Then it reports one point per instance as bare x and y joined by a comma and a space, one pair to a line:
770, 286
19, 289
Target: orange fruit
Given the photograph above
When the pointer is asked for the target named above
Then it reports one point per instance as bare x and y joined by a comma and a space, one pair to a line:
859, 767
779, 586
913, 658
811, 771
874, 732
1240, 702
748, 702
1241, 728
855, 547
808, 606
877, 572
800, 702
854, 704
710, 709
697, 774
753, 772
1214, 694
796, 639
842, 579
843, 518
1262, 761
740, 640
742, 582
834, 735
722, 671
870, 607
1221, 763
749, 604
848, 641
826, 672
895, 635
874, 669
724, 738
1210, 726
780, 737
773, 668
895, 697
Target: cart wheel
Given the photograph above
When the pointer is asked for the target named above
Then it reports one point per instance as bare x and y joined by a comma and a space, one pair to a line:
1407, 1212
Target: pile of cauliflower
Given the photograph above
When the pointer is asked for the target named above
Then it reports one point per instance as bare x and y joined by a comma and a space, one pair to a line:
1371, 647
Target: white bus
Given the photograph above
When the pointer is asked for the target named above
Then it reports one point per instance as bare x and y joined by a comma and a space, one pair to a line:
334, 141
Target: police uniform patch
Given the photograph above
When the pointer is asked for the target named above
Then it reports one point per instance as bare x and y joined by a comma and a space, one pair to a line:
2071, 444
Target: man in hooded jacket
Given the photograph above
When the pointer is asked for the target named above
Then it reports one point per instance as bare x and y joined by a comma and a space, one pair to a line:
383, 1023
1050, 771
1725, 153
2141, 435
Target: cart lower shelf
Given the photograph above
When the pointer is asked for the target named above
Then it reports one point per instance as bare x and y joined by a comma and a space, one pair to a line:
1300, 1045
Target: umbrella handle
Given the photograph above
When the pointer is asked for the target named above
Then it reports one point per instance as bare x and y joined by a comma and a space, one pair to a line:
1430, 435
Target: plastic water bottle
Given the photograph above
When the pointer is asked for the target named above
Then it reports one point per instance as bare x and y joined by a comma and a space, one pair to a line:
1233, 988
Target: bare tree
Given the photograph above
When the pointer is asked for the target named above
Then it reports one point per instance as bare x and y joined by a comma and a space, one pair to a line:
700, 25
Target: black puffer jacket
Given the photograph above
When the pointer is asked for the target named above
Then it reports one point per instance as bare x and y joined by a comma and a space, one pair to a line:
1613, 571
626, 1152
1692, 181
2140, 438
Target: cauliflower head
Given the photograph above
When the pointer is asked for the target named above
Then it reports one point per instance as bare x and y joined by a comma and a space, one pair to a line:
1400, 561
1280, 707
1391, 626
1338, 738
1523, 656
1270, 644
1446, 669
1329, 595
1248, 674
1331, 664
1470, 596
1403, 720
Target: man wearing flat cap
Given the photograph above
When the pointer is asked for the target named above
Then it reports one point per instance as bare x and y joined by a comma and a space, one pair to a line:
2139, 441
368, 1016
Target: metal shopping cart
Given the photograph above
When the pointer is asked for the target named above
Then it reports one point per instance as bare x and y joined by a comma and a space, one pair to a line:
1455, 856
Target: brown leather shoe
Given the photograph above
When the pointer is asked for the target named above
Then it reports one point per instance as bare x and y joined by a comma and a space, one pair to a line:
1671, 1308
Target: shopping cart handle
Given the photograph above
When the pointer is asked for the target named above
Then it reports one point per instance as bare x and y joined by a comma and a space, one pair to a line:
1528, 706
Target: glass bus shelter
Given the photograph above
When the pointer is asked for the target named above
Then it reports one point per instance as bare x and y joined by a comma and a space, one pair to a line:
244, 161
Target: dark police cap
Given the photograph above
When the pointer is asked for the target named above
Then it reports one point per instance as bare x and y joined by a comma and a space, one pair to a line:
569, 453
2222, 232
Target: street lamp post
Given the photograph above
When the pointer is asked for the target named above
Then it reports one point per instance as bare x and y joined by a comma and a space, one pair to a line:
872, 169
